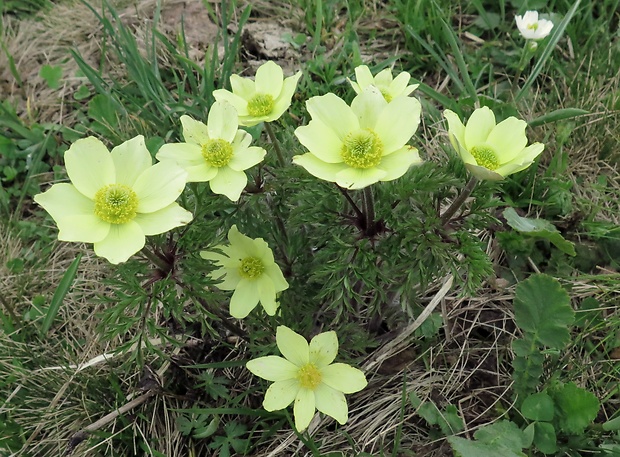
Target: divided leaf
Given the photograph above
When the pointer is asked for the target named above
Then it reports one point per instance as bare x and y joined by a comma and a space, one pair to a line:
543, 309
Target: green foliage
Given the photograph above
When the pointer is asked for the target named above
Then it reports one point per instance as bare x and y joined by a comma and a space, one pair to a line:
448, 420
501, 439
543, 313
51, 74
231, 441
576, 407
538, 228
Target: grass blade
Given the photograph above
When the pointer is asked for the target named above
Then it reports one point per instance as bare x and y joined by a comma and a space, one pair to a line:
59, 295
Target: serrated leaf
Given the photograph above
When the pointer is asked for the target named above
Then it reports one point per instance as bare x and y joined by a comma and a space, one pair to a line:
504, 433
538, 407
576, 408
539, 228
467, 448
544, 437
543, 309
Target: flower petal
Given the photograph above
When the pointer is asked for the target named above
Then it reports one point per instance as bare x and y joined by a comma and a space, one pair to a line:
275, 275
323, 349
194, 132
364, 77
159, 186
243, 87
397, 123
333, 112
222, 121
267, 295
331, 402
280, 394
246, 158
456, 130
244, 244
240, 104
523, 160
283, 101
321, 141
292, 346
184, 154
508, 139
367, 106
483, 173
304, 408
384, 78
269, 79
244, 299
73, 214
229, 182
479, 125
344, 378
89, 166
131, 158
163, 220
358, 178
399, 85
397, 163
316, 167
273, 368
123, 241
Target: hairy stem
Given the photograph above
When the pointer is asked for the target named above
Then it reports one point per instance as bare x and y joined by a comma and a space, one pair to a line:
458, 201
276, 144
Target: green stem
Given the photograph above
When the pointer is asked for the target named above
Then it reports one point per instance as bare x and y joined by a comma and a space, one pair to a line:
458, 201
159, 263
369, 207
346, 195
276, 144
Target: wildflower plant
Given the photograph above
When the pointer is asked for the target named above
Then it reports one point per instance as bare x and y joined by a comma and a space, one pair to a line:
307, 377
533, 28
247, 266
358, 145
115, 198
218, 152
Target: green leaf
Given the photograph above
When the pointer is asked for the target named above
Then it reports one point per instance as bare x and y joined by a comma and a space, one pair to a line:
543, 309
538, 407
577, 408
544, 437
612, 424
503, 433
539, 228
557, 115
59, 294
467, 448
81, 93
51, 74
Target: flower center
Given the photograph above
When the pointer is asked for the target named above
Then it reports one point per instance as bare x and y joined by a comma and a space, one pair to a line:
533, 26
485, 157
251, 268
362, 149
386, 95
116, 204
260, 105
309, 376
217, 153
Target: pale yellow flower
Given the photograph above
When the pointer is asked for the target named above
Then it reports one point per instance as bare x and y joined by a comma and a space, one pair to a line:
263, 100
116, 198
247, 266
358, 145
389, 86
531, 27
217, 152
307, 376
491, 151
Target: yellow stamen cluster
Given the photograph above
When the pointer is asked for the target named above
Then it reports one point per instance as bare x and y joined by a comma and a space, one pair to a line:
251, 268
485, 157
386, 95
362, 149
116, 204
217, 153
260, 105
309, 376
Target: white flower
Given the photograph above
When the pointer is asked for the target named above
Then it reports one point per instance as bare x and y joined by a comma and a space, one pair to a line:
531, 27
389, 86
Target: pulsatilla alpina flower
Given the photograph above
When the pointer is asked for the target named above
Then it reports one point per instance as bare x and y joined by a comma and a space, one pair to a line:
263, 100
217, 152
491, 151
116, 198
362, 144
307, 376
531, 27
389, 87
247, 267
